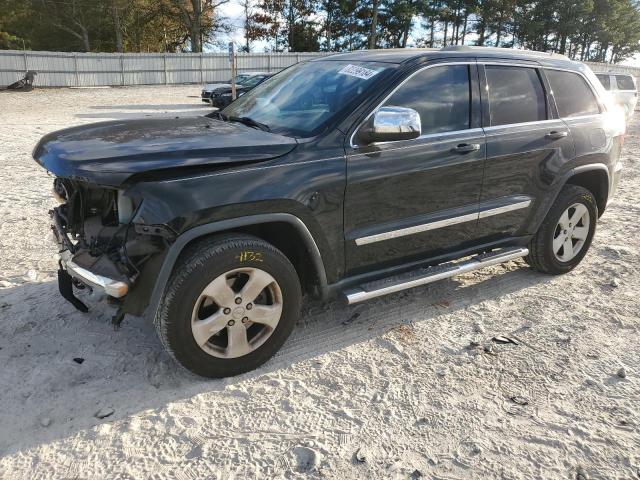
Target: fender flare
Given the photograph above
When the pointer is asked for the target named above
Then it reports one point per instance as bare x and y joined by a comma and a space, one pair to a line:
185, 238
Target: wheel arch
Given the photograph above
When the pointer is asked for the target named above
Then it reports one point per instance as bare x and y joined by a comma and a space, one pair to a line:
275, 228
595, 178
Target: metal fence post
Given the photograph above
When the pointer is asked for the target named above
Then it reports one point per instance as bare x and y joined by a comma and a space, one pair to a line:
75, 69
164, 57
269, 62
201, 71
122, 69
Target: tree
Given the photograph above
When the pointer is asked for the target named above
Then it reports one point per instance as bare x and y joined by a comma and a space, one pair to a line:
199, 17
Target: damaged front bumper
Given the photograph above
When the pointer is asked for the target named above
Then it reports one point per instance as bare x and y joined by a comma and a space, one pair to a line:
99, 283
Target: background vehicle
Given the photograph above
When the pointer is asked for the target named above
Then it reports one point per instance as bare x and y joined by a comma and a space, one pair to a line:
623, 89
221, 96
355, 175
205, 95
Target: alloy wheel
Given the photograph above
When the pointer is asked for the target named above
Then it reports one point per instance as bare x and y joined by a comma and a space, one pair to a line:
571, 232
237, 312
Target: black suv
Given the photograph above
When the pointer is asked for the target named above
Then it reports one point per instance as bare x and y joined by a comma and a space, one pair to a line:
354, 175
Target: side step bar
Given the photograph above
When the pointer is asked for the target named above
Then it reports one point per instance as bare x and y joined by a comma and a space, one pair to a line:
423, 276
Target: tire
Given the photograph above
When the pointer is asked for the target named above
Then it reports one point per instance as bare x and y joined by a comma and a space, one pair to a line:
544, 255
197, 302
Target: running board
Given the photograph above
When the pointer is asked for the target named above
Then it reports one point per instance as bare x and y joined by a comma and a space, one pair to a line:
423, 276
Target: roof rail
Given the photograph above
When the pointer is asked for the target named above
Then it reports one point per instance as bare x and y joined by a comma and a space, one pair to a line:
533, 53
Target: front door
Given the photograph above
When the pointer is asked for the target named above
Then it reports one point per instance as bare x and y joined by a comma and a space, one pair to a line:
415, 199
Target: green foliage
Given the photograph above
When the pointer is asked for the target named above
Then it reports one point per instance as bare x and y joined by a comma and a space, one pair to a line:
598, 30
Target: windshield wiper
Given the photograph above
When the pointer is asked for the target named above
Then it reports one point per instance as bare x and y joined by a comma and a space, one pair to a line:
247, 121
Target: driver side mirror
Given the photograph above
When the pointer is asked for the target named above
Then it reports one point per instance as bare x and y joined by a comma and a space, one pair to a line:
390, 124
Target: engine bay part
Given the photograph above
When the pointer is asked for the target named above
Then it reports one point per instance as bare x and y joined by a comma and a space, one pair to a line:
95, 230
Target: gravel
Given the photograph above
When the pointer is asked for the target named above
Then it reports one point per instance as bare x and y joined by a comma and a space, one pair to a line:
398, 377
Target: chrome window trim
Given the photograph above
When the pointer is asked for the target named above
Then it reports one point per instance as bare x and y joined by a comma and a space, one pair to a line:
425, 227
479, 62
522, 124
421, 137
443, 64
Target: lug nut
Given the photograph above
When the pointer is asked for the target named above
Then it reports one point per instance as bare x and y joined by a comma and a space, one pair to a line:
238, 301
231, 323
245, 320
249, 306
227, 311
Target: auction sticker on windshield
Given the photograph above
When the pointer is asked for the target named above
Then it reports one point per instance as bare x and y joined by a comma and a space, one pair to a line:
356, 71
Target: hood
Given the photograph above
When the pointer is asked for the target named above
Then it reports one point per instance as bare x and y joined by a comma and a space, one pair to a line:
213, 86
109, 153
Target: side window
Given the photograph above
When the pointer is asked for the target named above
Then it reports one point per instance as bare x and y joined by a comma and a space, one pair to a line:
515, 95
605, 80
440, 95
625, 82
573, 95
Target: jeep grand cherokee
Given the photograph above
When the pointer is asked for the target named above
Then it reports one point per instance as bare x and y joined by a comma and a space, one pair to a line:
354, 175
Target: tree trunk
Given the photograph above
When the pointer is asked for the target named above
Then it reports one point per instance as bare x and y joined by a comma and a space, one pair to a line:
405, 33
456, 26
498, 33
446, 28
563, 45
374, 25
290, 24
464, 27
117, 26
481, 33
85, 38
432, 32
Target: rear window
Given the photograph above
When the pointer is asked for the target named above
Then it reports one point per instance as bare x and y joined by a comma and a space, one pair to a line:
625, 82
573, 95
515, 95
605, 80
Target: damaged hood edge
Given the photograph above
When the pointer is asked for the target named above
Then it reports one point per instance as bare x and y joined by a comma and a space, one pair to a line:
109, 153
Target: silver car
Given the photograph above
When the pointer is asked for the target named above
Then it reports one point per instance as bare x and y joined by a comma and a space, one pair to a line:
623, 90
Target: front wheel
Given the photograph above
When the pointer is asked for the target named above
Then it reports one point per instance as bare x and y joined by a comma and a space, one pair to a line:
229, 306
566, 233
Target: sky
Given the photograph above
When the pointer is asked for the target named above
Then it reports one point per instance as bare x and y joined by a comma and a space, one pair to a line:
233, 12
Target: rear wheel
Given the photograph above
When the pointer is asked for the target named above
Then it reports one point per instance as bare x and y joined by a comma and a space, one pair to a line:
566, 233
230, 305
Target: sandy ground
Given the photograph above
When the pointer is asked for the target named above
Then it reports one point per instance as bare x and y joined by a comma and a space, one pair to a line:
395, 388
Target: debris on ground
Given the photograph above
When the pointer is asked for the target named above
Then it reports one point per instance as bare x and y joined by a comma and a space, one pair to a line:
104, 412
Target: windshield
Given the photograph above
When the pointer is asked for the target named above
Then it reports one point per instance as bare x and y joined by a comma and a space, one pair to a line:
251, 81
240, 79
300, 100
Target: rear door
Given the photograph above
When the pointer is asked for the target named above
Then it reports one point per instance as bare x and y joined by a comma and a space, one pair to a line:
525, 143
580, 110
414, 199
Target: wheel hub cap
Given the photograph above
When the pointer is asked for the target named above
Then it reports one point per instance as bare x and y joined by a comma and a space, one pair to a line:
236, 313
571, 232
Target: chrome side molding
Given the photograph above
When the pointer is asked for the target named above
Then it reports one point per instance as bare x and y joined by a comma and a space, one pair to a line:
470, 217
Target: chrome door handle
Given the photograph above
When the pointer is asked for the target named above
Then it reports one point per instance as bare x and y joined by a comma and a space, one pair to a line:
466, 148
556, 135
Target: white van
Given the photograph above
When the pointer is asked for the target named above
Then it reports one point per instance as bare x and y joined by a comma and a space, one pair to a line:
623, 89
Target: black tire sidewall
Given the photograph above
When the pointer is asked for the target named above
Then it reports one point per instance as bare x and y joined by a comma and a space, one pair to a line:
572, 196
186, 289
